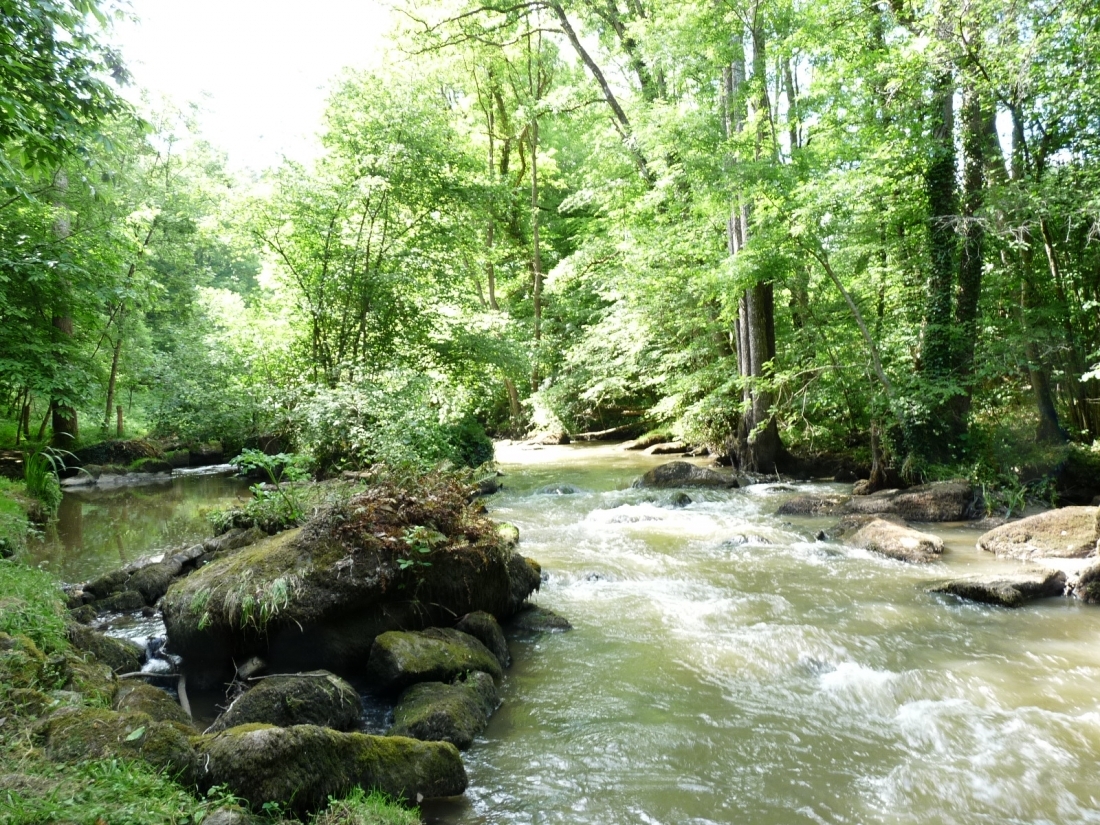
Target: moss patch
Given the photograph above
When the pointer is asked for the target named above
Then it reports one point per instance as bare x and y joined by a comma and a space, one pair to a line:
454, 713
304, 765
402, 658
316, 698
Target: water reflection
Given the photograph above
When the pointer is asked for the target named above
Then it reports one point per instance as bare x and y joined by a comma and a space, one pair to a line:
101, 529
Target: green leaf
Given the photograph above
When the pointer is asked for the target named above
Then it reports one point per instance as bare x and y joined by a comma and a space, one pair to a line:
136, 733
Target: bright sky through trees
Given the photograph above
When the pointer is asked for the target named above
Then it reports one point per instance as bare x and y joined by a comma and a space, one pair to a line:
260, 69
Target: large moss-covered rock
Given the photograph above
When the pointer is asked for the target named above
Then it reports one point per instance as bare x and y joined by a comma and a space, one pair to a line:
314, 698
483, 627
301, 766
1008, 591
684, 474
402, 658
139, 697
1070, 532
82, 733
318, 596
455, 713
120, 655
939, 501
897, 541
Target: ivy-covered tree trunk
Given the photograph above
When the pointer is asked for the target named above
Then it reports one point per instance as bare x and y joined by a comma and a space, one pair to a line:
64, 419
936, 436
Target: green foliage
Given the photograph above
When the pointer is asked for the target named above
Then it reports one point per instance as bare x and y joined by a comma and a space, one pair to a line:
399, 419
32, 604
116, 790
40, 474
365, 808
14, 524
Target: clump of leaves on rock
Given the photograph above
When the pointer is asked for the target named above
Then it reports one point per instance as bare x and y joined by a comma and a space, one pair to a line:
407, 518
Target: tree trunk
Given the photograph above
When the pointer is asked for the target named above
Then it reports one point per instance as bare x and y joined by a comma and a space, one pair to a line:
936, 437
65, 430
113, 379
976, 125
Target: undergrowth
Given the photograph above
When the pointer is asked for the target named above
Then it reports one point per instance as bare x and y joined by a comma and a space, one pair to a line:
362, 808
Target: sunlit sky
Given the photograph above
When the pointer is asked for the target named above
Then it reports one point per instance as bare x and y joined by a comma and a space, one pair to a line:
259, 69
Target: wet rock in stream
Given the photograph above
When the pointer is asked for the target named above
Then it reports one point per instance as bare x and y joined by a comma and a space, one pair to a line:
313, 698
1070, 532
399, 659
684, 474
534, 619
1011, 590
441, 712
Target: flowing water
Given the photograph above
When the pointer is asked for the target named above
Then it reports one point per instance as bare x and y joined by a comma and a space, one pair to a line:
725, 667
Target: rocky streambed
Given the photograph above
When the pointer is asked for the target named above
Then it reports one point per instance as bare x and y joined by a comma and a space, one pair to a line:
361, 604
397, 593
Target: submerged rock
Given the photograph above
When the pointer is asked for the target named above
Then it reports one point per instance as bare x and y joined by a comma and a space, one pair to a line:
483, 627
318, 596
402, 658
314, 698
557, 490
302, 766
680, 500
439, 712
684, 474
1071, 532
533, 619
1007, 591
897, 541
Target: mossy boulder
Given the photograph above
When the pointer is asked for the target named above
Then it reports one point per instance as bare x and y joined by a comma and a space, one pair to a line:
399, 659
483, 627
302, 766
1071, 532
139, 697
534, 619
316, 597
120, 655
685, 474
314, 698
1007, 591
79, 734
440, 712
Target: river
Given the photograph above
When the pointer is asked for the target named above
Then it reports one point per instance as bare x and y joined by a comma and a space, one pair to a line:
726, 667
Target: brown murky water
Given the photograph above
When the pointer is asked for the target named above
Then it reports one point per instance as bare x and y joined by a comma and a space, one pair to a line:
728, 668
100, 529
725, 666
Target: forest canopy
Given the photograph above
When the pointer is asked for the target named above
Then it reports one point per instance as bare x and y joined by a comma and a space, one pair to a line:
766, 227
